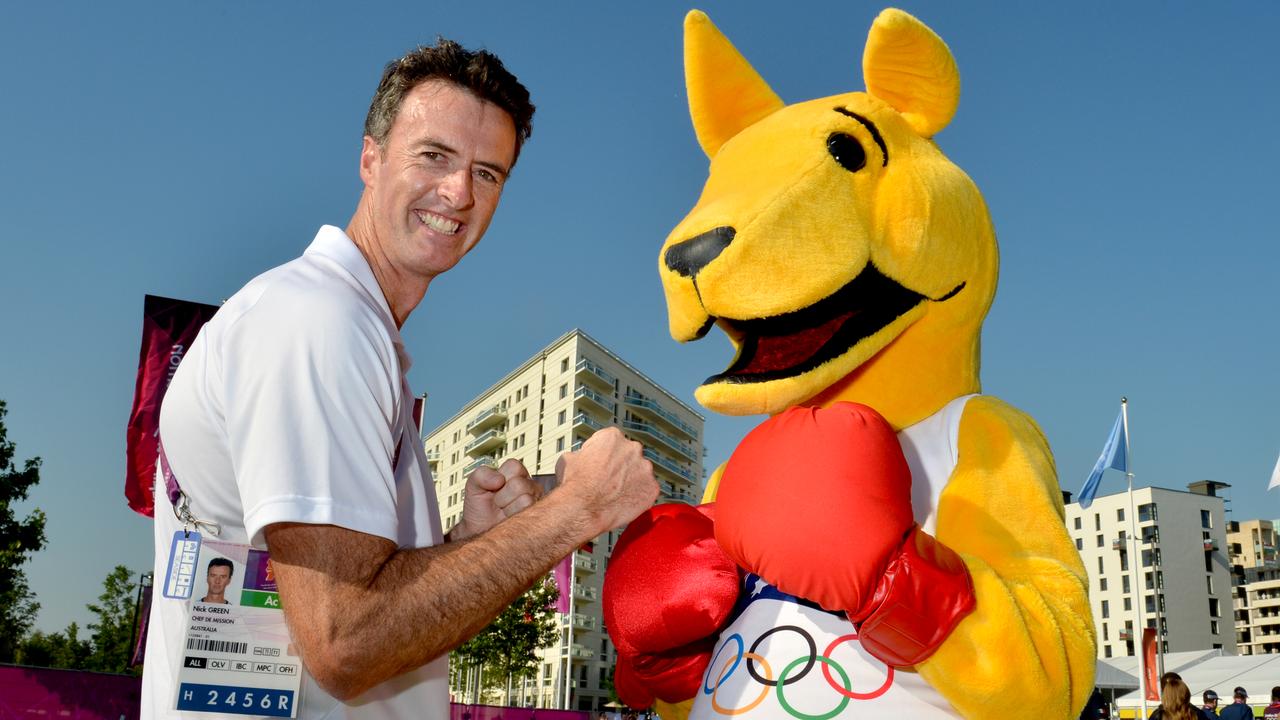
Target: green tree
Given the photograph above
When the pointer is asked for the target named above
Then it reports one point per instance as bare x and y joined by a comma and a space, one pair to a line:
506, 650
18, 539
56, 650
113, 630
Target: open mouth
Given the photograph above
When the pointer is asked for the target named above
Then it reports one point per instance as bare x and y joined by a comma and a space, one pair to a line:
796, 342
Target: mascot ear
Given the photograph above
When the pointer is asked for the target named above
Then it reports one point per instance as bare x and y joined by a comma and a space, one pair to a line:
908, 66
726, 95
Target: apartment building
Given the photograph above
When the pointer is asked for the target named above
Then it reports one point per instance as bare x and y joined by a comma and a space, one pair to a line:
1252, 543
1159, 561
1257, 611
549, 405
1256, 575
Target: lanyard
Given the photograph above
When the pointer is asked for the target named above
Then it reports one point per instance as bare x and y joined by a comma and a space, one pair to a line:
181, 502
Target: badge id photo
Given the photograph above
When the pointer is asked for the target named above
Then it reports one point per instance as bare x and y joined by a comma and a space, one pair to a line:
237, 656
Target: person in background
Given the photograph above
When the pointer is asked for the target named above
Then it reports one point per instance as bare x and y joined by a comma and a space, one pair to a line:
1175, 700
1239, 708
1210, 706
1272, 711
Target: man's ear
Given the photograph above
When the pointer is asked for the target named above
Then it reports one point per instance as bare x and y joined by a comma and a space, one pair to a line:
370, 155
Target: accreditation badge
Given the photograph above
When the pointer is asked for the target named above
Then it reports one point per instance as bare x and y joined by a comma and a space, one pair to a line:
237, 656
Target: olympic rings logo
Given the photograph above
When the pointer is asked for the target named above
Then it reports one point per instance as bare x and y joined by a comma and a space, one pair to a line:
788, 676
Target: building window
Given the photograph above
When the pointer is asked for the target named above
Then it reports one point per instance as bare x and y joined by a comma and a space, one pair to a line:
1214, 609
559, 444
1124, 583
1080, 545
1104, 632
1107, 651
1102, 584
1106, 609
1120, 514
1147, 513
564, 390
1077, 523
561, 417
1208, 580
1128, 605
1099, 563
1097, 521
1101, 542
564, 365
1206, 520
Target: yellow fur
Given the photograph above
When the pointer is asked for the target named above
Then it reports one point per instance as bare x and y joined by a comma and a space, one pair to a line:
805, 226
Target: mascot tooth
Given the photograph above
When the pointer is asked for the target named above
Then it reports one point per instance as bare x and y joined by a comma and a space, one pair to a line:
890, 542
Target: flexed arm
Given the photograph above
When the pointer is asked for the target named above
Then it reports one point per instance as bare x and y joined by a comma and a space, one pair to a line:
1030, 640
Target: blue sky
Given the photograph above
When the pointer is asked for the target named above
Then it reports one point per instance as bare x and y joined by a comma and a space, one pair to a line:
1128, 152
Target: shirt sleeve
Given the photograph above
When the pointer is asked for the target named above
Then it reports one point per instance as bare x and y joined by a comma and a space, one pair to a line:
312, 391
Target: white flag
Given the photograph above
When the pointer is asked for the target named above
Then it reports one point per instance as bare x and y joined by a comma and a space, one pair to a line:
1275, 476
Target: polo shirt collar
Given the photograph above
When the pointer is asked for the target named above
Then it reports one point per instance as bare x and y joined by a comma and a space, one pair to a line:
333, 243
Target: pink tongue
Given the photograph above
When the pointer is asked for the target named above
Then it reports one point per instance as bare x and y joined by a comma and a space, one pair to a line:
786, 351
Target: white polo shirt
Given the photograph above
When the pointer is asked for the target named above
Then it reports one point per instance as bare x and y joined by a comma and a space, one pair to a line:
293, 405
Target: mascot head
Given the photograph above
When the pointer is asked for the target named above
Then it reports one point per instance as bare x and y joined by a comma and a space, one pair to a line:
842, 253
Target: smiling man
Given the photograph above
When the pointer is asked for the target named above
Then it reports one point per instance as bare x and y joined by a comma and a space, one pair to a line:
288, 426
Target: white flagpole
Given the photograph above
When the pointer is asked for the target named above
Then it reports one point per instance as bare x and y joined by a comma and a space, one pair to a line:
568, 651
1135, 561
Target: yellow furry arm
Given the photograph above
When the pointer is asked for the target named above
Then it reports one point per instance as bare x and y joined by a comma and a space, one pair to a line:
1030, 641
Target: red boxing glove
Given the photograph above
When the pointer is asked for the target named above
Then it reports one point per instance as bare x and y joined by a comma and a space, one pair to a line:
817, 501
672, 676
668, 583
668, 590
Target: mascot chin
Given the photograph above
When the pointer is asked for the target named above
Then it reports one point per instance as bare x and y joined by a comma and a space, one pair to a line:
890, 542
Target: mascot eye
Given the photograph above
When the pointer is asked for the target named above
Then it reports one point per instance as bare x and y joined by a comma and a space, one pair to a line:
847, 151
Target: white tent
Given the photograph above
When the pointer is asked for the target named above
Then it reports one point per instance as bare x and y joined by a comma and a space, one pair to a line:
1211, 670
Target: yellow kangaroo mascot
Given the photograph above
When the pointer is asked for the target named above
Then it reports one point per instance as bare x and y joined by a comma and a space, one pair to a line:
890, 542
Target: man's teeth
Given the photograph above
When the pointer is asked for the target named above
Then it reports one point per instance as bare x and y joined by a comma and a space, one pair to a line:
439, 224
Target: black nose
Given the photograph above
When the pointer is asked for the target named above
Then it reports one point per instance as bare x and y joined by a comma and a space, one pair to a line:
689, 256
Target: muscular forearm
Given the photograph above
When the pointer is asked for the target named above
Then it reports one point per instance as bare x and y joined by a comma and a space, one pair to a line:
376, 612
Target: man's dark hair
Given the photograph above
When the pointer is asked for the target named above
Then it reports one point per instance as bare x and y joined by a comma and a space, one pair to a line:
221, 562
1275, 694
478, 71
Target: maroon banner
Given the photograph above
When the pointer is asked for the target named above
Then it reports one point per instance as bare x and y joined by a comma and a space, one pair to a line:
140, 627
459, 711
1149, 663
168, 329
27, 692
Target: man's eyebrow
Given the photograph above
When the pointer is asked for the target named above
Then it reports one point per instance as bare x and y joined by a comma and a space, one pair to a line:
434, 144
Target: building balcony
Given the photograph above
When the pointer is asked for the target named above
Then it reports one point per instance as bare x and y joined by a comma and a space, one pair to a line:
1210, 545
488, 441
1126, 635
583, 420
590, 371
585, 592
577, 651
487, 418
581, 621
664, 465
671, 443
636, 400
670, 493
585, 563
490, 460
586, 393
433, 458
1118, 544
